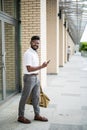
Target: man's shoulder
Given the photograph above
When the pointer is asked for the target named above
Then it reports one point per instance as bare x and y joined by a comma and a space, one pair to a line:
28, 52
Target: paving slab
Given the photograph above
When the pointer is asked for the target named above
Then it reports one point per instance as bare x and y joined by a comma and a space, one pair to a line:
67, 109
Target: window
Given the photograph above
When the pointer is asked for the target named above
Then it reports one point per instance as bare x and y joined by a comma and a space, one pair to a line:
9, 7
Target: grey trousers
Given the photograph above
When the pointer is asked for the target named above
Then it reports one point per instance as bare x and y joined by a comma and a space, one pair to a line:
31, 84
68, 56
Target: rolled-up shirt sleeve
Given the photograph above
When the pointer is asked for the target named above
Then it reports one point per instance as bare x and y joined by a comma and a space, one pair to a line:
28, 60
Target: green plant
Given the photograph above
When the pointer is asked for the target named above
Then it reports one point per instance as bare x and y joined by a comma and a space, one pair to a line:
83, 46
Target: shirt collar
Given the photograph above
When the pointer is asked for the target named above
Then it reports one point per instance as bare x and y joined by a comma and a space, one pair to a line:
32, 50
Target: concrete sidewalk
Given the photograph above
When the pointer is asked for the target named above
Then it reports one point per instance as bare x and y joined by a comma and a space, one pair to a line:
67, 109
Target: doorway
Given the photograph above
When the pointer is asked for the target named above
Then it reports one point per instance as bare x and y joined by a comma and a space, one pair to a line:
8, 57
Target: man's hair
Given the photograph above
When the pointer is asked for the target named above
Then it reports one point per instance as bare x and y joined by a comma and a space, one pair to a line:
35, 38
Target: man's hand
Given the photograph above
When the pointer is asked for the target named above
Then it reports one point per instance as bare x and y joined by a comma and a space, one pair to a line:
32, 68
45, 64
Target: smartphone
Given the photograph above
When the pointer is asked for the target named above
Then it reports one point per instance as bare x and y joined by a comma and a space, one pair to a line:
48, 61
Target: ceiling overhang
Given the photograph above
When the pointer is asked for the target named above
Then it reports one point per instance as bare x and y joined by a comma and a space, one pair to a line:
75, 13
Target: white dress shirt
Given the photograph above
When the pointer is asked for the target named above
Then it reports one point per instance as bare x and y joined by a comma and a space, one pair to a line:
31, 59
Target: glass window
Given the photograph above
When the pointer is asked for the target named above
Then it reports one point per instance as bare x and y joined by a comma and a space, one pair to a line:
0, 4
10, 59
0, 64
9, 7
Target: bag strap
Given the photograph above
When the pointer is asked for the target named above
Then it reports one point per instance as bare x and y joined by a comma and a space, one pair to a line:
41, 90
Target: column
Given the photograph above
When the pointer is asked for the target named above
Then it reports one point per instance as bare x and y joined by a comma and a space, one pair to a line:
52, 36
33, 22
61, 41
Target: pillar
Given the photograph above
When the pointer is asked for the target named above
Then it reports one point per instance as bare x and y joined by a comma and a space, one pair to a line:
33, 22
52, 36
61, 41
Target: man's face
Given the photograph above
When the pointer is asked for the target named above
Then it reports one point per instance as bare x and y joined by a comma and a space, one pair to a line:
35, 44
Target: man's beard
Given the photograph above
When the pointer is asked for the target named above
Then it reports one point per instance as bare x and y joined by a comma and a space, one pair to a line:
34, 48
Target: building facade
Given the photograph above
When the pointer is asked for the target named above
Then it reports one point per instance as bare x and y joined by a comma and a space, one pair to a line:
19, 21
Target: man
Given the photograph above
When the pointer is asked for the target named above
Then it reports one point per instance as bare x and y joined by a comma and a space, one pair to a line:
31, 81
68, 53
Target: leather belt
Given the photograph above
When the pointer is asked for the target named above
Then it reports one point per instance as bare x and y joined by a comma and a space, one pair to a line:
33, 74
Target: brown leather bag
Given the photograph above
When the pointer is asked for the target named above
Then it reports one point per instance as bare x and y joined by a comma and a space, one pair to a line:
44, 100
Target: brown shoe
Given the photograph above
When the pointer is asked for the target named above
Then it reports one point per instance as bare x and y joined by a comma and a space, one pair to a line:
23, 120
40, 118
